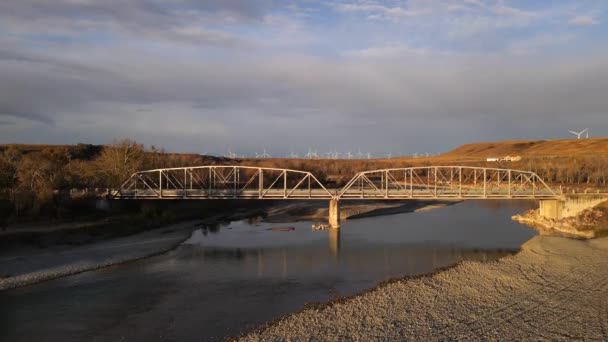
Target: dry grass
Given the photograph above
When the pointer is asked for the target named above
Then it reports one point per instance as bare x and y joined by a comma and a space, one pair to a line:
552, 148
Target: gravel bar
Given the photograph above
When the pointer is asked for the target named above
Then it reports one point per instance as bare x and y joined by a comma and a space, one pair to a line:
554, 289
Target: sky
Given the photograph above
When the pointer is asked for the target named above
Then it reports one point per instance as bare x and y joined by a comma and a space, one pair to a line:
394, 76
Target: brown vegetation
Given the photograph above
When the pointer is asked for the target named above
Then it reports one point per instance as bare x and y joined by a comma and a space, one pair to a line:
34, 177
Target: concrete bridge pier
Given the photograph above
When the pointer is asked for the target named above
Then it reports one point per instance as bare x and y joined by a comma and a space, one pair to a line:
334, 213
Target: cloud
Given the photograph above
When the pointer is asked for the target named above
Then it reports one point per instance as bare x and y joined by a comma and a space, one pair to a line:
178, 20
248, 75
538, 43
377, 11
24, 115
388, 52
582, 20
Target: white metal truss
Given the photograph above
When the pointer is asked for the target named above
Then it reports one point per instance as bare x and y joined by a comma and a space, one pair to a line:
222, 182
446, 182
246, 182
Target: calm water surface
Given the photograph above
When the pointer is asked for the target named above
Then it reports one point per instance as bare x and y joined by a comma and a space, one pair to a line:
226, 280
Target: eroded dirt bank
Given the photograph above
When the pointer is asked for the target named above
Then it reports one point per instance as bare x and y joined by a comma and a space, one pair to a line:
589, 224
554, 289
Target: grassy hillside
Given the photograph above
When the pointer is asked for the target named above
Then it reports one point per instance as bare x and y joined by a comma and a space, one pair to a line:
532, 148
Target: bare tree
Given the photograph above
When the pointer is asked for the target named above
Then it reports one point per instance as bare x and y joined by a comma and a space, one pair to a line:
118, 161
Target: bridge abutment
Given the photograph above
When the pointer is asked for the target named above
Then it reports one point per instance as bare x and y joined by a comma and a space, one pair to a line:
334, 213
568, 206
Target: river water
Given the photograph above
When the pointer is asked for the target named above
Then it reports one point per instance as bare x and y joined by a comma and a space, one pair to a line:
229, 279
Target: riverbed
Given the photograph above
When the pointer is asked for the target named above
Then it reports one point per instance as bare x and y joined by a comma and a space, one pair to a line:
226, 280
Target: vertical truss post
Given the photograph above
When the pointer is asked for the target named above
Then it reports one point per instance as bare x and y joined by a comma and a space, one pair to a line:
475, 178
185, 182
284, 184
435, 182
234, 180
460, 182
405, 180
412, 183
361, 186
210, 179
260, 182
485, 181
190, 179
509, 183
534, 186
386, 184
309, 188
160, 183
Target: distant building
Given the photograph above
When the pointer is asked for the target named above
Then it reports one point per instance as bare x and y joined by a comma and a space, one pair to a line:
512, 158
507, 159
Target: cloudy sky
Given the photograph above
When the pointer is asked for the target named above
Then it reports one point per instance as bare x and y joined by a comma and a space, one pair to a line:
380, 76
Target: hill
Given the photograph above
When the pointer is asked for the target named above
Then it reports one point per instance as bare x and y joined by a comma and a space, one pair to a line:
531, 148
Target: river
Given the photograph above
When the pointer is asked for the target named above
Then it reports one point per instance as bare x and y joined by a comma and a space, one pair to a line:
228, 279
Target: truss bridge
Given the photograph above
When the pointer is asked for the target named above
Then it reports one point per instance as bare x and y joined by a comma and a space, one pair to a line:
410, 183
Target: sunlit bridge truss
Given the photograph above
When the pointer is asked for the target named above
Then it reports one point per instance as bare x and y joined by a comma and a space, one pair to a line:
222, 182
446, 182
245, 182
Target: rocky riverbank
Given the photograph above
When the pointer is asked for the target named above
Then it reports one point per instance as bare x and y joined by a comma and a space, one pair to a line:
554, 289
590, 223
30, 264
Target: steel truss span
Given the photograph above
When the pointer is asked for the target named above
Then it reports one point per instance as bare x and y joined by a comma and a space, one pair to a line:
245, 182
446, 182
222, 182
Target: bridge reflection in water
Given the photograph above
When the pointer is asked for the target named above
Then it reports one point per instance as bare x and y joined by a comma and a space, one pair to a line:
334, 241
265, 253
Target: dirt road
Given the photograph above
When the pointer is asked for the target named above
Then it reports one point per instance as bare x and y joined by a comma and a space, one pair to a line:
554, 289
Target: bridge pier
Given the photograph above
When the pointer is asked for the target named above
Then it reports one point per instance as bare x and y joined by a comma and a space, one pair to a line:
334, 213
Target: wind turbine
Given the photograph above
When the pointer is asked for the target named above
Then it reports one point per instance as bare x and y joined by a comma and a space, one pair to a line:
294, 155
359, 154
578, 134
230, 155
349, 155
263, 155
311, 154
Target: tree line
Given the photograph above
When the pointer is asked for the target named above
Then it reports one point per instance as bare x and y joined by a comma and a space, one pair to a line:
33, 179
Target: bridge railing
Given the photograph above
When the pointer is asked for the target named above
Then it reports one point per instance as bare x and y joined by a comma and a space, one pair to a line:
455, 182
222, 182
